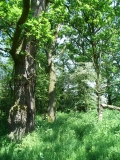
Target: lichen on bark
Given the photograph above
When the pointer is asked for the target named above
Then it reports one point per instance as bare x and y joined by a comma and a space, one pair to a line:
17, 121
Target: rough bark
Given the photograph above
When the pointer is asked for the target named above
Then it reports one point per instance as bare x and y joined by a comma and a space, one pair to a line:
22, 114
24, 93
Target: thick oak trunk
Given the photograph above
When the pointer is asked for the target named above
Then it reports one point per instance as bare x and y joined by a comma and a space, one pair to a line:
22, 114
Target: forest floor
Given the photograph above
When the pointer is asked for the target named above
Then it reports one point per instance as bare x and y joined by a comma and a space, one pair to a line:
70, 137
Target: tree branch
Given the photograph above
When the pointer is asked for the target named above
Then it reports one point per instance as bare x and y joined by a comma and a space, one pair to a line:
21, 21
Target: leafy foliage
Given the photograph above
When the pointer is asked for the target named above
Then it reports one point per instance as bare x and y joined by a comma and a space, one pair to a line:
6, 85
42, 83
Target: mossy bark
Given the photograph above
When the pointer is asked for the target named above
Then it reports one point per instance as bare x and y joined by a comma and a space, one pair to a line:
18, 121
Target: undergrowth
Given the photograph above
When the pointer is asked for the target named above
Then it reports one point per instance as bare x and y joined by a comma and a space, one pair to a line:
70, 137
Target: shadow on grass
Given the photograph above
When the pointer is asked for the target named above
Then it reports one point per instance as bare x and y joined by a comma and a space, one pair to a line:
68, 138
83, 130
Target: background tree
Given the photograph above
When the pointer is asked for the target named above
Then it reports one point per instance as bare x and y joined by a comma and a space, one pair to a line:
55, 17
91, 26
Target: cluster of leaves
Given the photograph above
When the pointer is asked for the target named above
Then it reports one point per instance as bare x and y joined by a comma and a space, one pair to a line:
39, 27
42, 83
10, 12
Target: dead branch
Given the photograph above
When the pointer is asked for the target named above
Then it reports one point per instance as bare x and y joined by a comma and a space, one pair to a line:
110, 107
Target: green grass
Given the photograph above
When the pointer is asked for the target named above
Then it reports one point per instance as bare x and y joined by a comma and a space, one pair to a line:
71, 137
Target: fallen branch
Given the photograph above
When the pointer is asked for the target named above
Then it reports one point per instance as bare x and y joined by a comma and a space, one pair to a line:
110, 107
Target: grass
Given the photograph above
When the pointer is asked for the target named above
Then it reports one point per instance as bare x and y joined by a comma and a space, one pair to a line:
70, 137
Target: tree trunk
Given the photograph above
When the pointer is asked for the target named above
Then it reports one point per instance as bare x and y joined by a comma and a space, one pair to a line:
98, 88
52, 83
97, 67
52, 94
22, 114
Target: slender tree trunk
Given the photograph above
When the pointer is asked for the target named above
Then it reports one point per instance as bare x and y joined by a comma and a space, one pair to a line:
22, 114
97, 67
52, 94
52, 83
98, 88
